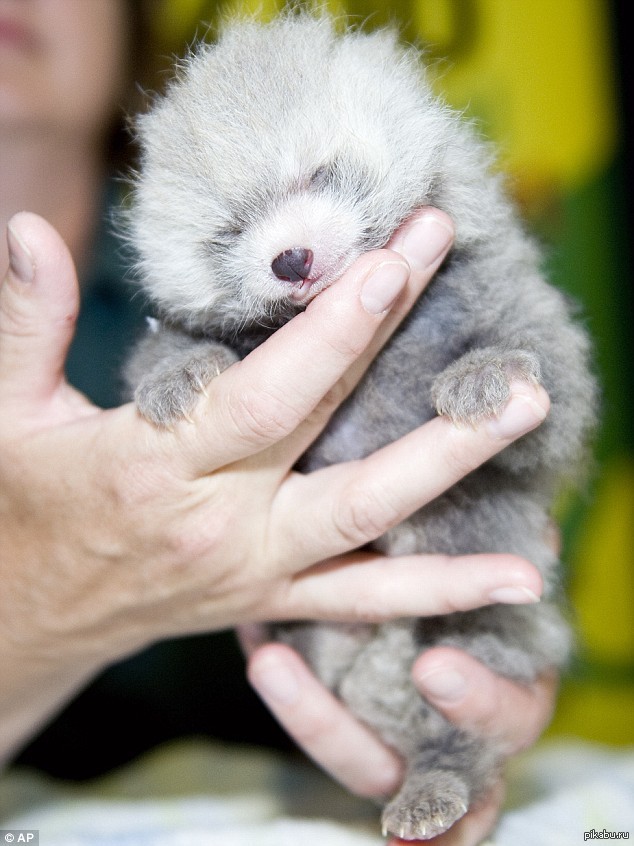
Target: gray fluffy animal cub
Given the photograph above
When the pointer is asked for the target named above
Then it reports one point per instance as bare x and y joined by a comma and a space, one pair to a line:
277, 156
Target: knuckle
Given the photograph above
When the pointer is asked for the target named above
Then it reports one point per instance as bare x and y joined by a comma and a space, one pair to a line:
262, 417
203, 530
189, 543
319, 416
337, 336
16, 314
310, 733
363, 513
187, 548
460, 454
370, 607
333, 398
455, 585
348, 346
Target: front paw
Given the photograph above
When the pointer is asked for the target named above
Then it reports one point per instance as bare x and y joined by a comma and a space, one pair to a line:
165, 397
478, 384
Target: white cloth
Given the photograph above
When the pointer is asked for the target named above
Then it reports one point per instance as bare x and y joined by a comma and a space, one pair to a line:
201, 794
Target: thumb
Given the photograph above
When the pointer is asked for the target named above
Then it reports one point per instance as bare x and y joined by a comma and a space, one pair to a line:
39, 302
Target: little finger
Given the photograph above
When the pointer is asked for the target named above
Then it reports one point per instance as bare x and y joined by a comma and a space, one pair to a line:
361, 587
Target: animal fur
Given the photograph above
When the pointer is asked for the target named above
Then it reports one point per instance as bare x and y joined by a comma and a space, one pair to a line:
288, 137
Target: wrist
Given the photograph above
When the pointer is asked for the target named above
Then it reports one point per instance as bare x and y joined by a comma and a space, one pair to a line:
35, 687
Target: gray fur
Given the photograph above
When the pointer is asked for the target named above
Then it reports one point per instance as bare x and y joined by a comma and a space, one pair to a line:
288, 135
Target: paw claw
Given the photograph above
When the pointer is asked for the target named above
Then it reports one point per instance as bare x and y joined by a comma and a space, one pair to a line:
478, 384
422, 811
166, 397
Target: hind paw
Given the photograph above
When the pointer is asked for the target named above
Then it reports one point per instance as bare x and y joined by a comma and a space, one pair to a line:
428, 815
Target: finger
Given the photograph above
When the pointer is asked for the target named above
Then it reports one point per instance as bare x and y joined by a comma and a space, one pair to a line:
370, 588
471, 829
478, 700
321, 724
354, 503
39, 301
423, 241
260, 400
264, 398
251, 636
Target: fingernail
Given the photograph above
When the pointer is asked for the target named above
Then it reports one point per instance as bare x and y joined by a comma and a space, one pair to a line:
276, 683
514, 595
442, 685
20, 258
424, 241
383, 286
522, 413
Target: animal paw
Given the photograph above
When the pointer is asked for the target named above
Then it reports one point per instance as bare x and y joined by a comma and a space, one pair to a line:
426, 811
478, 384
166, 397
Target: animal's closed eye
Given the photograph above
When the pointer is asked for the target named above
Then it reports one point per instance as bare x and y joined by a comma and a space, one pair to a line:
229, 232
222, 239
324, 176
343, 174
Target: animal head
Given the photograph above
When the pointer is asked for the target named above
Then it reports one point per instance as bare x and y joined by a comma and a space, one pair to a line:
276, 157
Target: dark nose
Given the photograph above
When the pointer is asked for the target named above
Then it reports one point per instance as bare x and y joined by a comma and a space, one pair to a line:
293, 265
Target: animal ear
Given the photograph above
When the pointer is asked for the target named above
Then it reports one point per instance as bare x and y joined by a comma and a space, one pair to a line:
384, 48
383, 41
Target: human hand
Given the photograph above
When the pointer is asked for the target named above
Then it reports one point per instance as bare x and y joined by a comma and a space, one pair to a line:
465, 691
115, 534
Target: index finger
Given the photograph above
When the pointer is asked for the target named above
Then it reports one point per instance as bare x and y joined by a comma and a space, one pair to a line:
267, 396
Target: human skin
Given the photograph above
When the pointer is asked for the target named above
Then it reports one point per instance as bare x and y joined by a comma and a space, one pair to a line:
63, 65
63, 78
116, 534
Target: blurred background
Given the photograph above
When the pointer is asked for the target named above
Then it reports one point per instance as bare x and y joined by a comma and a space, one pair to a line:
550, 83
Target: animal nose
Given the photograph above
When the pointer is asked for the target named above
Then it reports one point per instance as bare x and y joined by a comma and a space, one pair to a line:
293, 265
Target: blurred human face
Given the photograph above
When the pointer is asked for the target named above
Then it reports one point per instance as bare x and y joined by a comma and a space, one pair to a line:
62, 64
